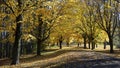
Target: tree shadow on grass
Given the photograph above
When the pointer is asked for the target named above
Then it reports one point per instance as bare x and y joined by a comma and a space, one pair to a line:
33, 57
56, 53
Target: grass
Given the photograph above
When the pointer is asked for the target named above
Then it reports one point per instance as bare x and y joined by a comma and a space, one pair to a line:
54, 52
49, 53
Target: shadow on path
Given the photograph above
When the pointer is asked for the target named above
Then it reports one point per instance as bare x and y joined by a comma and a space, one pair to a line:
94, 63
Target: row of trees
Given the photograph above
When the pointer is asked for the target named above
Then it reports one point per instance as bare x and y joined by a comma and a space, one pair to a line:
99, 15
55, 21
23, 20
26, 17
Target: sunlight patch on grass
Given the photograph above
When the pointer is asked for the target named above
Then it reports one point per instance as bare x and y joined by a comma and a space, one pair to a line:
54, 56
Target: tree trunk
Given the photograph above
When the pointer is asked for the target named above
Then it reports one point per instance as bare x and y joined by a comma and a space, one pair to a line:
104, 45
60, 44
7, 49
111, 44
89, 44
85, 43
16, 46
93, 45
78, 44
39, 36
39, 43
18, 33
22, 47
67, 43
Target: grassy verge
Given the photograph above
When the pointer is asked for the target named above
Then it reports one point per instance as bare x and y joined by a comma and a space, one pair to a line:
49, 53
28, 60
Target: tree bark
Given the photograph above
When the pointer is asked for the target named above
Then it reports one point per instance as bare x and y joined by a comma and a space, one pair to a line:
67, 43
16, 46
93, 45
104, 45
111, 44
85, 42
39, 43
89, 44
78, 44
18, 33
39, 36
60, 44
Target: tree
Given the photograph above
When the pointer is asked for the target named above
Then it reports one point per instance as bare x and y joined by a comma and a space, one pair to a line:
45, 17
16, 46
91, 20
16, 11
108, 16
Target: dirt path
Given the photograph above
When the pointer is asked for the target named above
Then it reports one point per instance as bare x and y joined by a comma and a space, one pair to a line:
78, 59
72, 58
90, 60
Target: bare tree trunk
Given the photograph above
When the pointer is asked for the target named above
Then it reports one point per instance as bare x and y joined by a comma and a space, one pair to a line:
38, 47
89, 44
67, 43
104, 45
16, 46
93, 45
78, 44
85, 42
60, 44
18, 33
111, 44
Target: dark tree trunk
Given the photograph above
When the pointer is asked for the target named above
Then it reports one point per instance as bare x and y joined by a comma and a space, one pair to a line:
104, 45
93, 45
39, 36
0, 54
111, 44
85, 42
7, 49
18, 33
89, 44
60, 44
16, 46
22, 47
78, 44
67, 43
2, 50
39, 43
10, 51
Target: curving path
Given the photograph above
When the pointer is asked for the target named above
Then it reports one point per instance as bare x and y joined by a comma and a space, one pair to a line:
90, 60
79, 59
